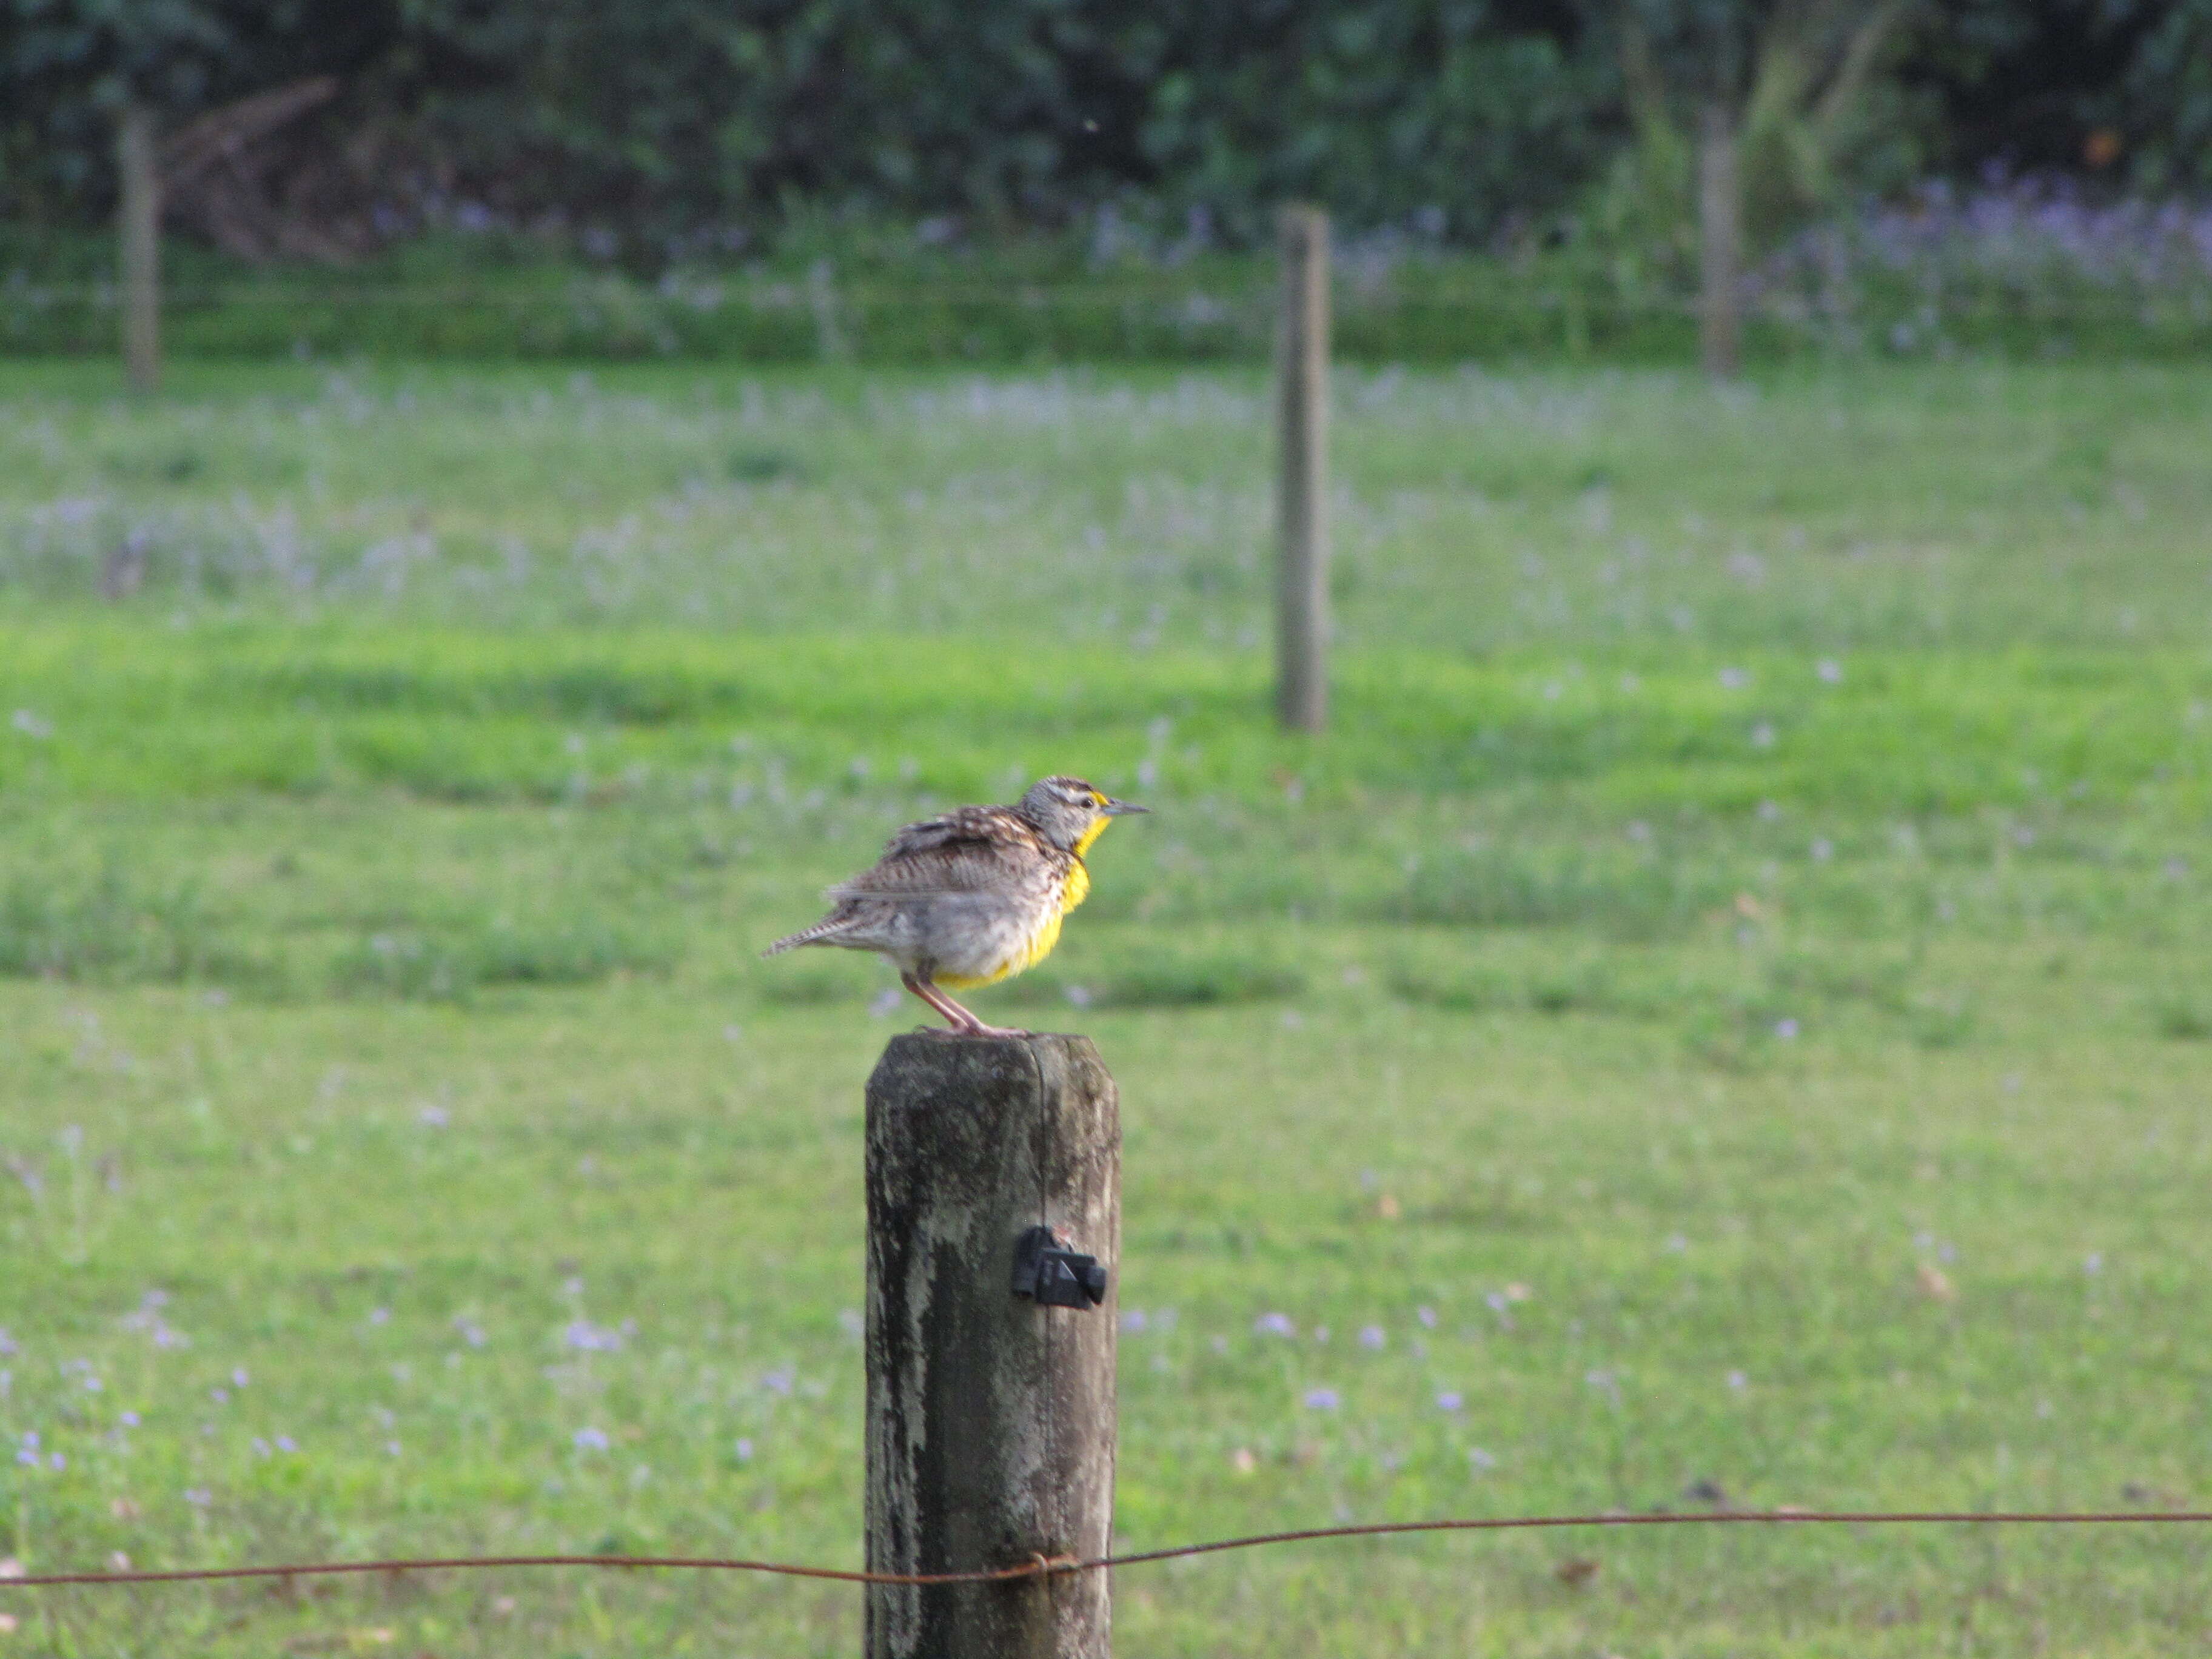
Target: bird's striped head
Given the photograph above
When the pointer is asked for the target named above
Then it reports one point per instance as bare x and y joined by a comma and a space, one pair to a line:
1071, 814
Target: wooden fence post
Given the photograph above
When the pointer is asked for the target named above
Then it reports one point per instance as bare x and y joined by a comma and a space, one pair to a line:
1720, 240
1301, 484
140, 228
990, 1430
830, 342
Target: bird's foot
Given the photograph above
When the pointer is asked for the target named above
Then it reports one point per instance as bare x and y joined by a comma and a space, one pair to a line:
963, 1023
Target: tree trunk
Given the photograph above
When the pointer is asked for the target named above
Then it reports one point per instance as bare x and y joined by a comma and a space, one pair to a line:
1720, 228
140, 236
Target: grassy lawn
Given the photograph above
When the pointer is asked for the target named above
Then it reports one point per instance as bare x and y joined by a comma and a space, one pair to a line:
1722, 1017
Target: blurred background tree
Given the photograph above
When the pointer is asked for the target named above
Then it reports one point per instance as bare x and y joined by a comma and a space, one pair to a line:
68, 67
2115, 90
655, 127
1746, 117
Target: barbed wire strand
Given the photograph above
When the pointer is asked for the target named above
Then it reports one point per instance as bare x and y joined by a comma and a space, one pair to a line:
1040, 1565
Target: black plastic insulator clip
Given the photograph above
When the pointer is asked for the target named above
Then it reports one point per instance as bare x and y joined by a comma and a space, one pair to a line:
1054, 1276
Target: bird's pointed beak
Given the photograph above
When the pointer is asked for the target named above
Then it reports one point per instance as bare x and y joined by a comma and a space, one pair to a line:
1116, 809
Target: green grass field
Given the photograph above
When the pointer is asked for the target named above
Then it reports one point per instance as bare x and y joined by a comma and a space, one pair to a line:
1724, 1016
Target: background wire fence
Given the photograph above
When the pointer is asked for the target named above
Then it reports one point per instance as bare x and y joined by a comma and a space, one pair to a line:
1040, 1565
1402, 311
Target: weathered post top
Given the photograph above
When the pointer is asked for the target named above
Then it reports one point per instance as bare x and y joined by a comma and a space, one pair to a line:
991, 1416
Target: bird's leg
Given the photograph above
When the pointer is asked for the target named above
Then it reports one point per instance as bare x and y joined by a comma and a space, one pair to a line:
957, 1017
963, 1023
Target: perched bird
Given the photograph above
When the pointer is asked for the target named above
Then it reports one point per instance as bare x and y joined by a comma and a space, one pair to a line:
968, 898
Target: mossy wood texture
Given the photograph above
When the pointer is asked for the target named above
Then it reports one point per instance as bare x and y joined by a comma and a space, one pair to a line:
991, 1420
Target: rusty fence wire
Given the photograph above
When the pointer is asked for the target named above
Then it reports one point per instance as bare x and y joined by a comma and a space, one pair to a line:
1043, 1566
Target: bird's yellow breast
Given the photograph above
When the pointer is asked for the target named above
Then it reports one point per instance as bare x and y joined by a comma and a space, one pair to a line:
1039, 944
1026, 955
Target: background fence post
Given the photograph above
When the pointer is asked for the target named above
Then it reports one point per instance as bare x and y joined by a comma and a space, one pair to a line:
140, 237
1301, 490
991, 1420
1720, 240
830, 342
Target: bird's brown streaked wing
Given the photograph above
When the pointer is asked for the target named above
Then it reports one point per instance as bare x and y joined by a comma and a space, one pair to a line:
975, 849
962, 823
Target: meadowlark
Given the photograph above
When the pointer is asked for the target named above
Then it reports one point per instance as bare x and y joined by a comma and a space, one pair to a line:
971, 897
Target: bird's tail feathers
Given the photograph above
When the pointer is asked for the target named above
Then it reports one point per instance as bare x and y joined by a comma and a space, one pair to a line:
822, 933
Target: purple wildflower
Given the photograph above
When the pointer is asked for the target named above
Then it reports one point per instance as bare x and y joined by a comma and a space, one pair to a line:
588, 1338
